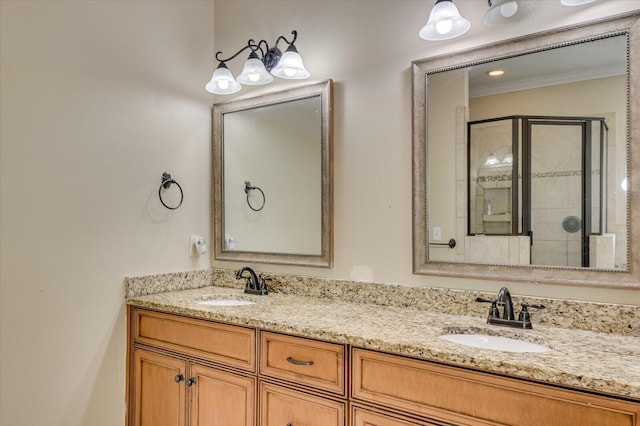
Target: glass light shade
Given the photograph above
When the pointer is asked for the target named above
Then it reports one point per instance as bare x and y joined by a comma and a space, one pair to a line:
504, 12
290, 65
444, 22
254, 72
574, 2
491, 160
508, 159
222, 82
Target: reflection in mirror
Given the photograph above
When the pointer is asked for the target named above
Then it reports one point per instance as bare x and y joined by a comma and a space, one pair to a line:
542, 178
272, 176
525, 169
279, 209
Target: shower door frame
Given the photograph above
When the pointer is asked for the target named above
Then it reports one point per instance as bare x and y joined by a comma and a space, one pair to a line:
515, 190
521, 214
586, 196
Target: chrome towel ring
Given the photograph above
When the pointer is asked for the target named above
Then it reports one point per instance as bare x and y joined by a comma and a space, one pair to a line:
167, 181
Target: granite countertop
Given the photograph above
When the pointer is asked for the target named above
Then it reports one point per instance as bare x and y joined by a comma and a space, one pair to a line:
602, 362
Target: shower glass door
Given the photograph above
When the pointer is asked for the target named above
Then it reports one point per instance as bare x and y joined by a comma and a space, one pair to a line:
542, 177
558, 196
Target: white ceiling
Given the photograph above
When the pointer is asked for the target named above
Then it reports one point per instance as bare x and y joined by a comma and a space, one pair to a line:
584, 61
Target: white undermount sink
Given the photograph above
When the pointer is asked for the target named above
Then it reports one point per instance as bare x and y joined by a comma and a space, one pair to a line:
495, 343
225, 300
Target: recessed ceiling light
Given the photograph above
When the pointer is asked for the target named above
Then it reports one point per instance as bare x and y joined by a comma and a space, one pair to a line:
574, 2
495, 73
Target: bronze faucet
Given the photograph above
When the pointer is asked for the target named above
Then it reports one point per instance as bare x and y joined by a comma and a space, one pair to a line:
504, 299
507, 318
254, 285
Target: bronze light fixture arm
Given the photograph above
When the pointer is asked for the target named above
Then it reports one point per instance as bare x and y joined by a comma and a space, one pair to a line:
271, 56
262, 63
250, 45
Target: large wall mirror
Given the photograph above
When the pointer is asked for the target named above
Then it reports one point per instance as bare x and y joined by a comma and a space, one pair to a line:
530, 172
272, 177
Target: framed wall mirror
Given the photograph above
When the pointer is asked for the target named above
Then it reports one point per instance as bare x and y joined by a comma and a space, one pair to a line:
272, 175
529, 175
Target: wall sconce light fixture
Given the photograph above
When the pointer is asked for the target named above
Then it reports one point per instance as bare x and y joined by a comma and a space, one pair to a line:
508, 11
491, 160
444, 22
263, 63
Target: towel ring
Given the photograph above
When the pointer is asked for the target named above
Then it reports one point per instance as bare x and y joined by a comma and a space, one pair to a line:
167, 181
247, 189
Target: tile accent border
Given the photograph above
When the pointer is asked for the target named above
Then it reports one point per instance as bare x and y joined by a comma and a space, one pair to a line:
571, 314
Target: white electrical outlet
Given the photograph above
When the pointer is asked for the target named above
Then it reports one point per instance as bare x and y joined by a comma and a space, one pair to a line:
437, 233
197, 246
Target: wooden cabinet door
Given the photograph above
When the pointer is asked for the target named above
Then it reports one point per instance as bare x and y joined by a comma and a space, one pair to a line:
280, 406
220, 398
159, 389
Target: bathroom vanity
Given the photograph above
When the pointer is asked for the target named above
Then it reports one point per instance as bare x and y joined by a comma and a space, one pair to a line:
293, 360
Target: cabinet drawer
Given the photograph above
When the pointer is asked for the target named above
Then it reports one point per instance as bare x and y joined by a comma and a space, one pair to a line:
466, 397
231, 345
304, 361
280, 406
366, 417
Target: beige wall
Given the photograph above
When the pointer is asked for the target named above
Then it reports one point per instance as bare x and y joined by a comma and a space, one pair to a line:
451, 91
98, 98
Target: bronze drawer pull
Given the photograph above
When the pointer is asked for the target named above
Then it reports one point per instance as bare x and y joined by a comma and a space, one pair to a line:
296, 362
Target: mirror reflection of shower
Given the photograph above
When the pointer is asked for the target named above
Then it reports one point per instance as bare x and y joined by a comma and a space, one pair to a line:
542, 177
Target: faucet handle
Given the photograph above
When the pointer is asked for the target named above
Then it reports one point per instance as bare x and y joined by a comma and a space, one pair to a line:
493, 310
264, 279
263, 284
524, 313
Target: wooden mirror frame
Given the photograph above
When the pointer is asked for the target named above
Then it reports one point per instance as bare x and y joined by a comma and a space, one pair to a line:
626, 24
323, 89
